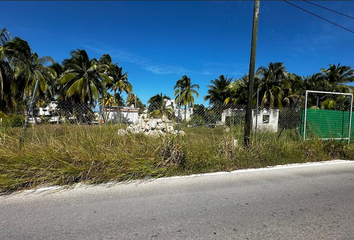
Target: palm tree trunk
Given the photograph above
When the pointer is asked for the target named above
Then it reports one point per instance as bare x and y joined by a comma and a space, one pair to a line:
185, 112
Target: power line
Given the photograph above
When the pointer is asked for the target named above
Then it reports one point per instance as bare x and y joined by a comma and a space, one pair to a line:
329, 9
319, 17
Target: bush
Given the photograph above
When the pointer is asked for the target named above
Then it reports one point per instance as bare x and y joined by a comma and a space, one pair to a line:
171, 151
11, 120
197, 120
234, 120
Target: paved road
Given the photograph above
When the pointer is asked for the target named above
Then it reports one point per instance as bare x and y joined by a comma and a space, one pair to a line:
310, 201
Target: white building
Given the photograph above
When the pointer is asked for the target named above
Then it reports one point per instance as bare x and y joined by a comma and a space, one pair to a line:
266, 119
230, 112
185, 114
49, 110
118, 114
49, 113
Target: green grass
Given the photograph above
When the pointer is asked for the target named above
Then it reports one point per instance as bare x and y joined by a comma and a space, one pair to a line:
67, 154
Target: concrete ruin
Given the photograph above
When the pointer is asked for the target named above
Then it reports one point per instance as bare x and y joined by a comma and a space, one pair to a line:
151, 127
267, 120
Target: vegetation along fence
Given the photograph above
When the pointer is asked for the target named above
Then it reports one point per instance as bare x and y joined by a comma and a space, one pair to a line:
220, 119
72, 117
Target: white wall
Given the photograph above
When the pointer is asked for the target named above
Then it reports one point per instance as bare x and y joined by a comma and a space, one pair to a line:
270, 125
48, 110
265, 123
124, 116
172, 104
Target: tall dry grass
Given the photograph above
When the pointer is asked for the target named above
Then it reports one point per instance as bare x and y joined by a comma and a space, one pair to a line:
67, 154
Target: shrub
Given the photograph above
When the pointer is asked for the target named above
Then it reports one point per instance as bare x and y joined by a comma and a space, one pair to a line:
197, 120
171, 151
11, 120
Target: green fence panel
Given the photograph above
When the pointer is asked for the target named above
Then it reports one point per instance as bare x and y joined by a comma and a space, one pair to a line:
323, 123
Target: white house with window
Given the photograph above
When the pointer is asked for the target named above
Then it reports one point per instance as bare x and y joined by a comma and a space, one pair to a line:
266, 119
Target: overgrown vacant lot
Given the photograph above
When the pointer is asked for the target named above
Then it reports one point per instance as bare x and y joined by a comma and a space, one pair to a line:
67, 154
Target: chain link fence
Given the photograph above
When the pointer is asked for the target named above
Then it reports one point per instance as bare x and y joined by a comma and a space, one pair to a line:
199, 119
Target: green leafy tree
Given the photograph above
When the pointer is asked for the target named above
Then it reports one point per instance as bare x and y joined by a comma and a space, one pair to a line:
6, 74
185, 92
83, 80
333, 79
218, 91
59, 70
313, 82
200, 115
158, 107
118, 80
238, 91
292, 93
336, 76
133, 100
108, 100
28, 69
119, 99
272, 84
36, 70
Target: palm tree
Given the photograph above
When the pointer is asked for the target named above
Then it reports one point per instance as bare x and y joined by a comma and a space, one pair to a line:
336, 77
218, 92
7, 100
184, 91
35, 70
119, 99
5, 36
119, 80
84, 79
314, 82
157, 106
333, 79
108, 100
134, 100
238, 91
6, 74
59, 70
28, 69
297, 85
273, 84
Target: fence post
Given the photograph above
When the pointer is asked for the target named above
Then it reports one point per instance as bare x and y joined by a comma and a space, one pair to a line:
350, 117
305, 110
135, 101
27, 117
179, 108
255, 128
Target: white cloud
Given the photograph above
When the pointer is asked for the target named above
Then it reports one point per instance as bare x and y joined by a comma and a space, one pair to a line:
165, 69
143, 63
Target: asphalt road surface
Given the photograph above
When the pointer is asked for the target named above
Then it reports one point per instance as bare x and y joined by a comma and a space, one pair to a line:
308, 201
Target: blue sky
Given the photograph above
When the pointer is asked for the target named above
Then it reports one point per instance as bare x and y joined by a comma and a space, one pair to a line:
158, 42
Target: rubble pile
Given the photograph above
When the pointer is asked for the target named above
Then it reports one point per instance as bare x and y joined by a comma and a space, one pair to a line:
150, 127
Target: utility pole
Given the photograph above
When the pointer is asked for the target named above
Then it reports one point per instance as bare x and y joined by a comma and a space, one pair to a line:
251, 74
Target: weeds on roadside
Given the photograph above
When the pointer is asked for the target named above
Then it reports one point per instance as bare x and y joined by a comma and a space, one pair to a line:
67, 154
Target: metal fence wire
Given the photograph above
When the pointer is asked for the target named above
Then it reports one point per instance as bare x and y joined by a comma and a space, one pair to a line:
58, 112
181, 117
